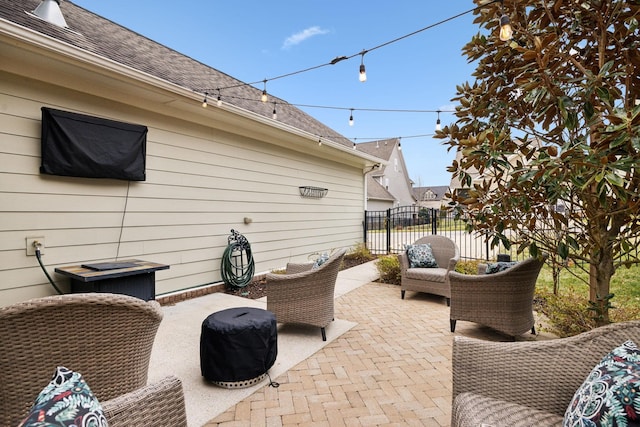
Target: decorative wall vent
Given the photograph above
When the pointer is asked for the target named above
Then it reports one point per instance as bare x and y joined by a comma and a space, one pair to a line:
313, 192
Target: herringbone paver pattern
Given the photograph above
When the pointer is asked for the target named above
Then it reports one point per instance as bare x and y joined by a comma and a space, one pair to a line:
392, 369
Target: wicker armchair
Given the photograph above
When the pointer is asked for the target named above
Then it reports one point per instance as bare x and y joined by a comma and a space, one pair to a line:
304, 295
503, 301
527, 383
430, 280
106, 337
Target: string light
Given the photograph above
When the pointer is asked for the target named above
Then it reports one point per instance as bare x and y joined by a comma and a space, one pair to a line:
344, 57
438, 126
219, 98
264, 97
506, 32
275, 114
204, 101
363, 71
351, 118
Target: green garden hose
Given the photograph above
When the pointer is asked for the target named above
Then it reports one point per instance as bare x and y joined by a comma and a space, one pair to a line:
237, 266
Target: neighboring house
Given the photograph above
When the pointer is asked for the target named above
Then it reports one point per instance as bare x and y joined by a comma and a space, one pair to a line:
431, 197
208, 170
456, 185
391, 186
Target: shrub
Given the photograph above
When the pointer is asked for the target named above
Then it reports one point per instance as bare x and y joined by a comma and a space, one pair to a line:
467, 266
569, 314
360, 253
389, 268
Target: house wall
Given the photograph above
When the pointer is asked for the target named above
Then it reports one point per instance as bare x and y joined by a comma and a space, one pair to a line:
201, 183
398, 180
379, 205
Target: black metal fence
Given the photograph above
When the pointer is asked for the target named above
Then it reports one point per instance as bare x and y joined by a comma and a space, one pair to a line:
387, 232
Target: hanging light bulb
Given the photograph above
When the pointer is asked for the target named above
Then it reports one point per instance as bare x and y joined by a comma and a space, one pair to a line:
438, 126
204, 101
351, 118
275, 114
363, 71
219, 98
264, 98
399, 146
319, 141
506, 32
354, 146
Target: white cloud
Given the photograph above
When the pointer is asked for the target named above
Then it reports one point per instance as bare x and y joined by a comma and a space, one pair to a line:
303, 35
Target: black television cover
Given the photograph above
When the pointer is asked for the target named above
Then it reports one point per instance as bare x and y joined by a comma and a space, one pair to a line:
91, 147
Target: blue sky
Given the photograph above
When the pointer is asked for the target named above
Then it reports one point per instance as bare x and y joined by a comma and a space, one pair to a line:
256, 40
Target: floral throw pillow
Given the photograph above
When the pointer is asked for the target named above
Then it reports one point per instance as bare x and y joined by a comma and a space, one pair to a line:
496, 267
65, 402
421, 256
610, 395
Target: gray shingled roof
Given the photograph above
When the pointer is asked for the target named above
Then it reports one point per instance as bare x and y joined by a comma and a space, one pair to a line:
381, 149
439, 191
375, 191
105, 38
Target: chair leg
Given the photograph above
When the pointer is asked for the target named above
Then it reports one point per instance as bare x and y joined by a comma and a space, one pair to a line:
448, 302
402, 294
453, 324
324, 334
533, 330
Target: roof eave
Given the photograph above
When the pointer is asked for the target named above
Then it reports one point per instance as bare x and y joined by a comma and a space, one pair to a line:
119, 82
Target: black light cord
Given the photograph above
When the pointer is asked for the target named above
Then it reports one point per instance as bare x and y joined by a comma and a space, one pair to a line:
362, 52
39, 257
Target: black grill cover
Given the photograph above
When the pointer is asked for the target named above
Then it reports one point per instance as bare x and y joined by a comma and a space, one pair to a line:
238, 344
91, 147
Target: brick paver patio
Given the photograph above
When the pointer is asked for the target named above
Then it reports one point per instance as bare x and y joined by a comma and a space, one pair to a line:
392, 369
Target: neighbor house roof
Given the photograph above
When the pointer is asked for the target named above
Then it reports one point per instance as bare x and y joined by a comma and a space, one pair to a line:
381, 149
95, 34
438, 191
375, 190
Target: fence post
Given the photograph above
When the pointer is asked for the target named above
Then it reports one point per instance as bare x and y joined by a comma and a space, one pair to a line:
365, 228
434, 221
486, 243
388, 225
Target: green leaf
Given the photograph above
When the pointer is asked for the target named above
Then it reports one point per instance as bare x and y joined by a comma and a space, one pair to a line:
573, 243
588, 110
571, 121
606, 67
563, 250
604, 95
533, 250
615, 179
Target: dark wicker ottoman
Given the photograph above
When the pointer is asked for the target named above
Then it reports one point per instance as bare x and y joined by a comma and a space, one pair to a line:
238, 346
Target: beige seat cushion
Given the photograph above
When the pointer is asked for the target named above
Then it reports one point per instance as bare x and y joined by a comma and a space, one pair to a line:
429, 274
474, 410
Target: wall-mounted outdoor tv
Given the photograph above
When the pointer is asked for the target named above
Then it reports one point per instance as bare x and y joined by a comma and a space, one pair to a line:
91, 147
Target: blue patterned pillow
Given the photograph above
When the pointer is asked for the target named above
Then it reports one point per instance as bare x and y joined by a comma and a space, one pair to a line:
610, 395
421, 256
320, 260
65, 402
496, 267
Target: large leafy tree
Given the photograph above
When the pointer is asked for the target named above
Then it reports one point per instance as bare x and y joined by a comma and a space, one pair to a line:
549, 133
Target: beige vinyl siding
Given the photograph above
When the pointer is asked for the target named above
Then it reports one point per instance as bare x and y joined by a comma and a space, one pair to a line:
201, 183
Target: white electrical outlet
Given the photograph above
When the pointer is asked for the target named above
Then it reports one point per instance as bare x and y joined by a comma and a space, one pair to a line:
32, 243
